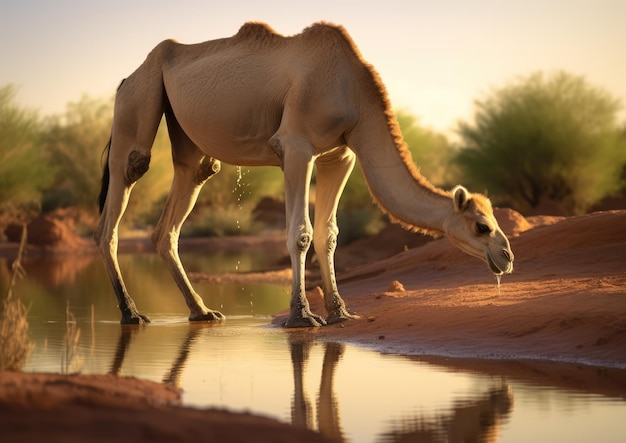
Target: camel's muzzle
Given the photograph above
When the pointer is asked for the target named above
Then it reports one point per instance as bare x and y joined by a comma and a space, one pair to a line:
507, 267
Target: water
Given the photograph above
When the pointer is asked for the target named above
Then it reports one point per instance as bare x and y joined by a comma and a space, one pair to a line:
349, 393
498, 279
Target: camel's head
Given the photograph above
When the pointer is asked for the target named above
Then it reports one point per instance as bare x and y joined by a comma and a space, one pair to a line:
475, 230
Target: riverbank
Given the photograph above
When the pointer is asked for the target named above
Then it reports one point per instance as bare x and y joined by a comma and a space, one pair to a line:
566, 302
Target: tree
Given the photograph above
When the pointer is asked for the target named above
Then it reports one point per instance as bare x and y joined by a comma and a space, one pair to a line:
545, 138
24, 171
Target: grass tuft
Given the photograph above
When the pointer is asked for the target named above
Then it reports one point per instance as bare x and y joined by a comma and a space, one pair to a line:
15, 344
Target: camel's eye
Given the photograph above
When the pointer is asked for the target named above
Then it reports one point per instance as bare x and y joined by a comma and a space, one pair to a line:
483, 228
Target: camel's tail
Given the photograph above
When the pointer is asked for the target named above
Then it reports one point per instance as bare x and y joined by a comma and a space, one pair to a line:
105, 178
105, 173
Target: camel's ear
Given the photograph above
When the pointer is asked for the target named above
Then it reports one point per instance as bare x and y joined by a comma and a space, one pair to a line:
461, 197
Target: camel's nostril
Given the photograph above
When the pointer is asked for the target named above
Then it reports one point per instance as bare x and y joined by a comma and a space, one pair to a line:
507, 255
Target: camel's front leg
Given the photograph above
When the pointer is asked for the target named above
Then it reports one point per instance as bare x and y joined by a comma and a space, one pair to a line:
297, 167
333, 171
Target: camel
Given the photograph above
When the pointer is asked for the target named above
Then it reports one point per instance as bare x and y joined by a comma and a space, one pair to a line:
299, 102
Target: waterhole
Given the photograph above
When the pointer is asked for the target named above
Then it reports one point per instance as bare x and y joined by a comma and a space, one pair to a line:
347, 392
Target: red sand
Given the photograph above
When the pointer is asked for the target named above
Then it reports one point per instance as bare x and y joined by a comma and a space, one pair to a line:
566, 301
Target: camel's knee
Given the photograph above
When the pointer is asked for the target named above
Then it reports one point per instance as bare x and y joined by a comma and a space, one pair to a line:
325, 241
106, 244
208, 167
301, 242
137, 165
97, 234
164, 242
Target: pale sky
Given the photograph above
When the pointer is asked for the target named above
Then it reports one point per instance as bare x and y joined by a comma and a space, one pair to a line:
436, 57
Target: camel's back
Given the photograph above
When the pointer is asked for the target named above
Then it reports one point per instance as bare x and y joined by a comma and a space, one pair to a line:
257, 68
240, 88
256, 45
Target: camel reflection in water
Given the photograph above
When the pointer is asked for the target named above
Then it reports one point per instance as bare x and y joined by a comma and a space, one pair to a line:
327, 404
173, 376
476, 420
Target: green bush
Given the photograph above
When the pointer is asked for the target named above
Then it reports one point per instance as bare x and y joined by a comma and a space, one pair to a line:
25, 172
545, 138
230, 220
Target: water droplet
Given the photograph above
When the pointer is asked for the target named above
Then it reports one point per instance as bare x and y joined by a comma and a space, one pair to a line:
239, 191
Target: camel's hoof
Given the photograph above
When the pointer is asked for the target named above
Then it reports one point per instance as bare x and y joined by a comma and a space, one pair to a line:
209, 316
339, 316
135, 319
306, 320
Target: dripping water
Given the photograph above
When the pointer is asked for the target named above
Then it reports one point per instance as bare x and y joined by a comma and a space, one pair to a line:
498, 278
238, 192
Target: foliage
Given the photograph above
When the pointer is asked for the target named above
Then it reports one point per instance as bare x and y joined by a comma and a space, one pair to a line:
235, 185
541, 138
75, 142
212, 221
226, 201
24, 170
431, 150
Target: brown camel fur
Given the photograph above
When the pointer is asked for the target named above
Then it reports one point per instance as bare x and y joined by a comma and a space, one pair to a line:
259, 98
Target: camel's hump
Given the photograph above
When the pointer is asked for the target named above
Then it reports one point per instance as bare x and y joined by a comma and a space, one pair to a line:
263, 31
256, 30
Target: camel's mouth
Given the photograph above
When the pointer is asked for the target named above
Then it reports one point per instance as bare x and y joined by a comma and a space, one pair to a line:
495, 269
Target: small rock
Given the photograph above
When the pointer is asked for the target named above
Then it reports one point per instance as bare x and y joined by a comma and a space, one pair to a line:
396, 286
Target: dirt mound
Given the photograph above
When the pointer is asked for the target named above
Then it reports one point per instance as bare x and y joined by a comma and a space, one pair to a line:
565, 300
49, 232
391, 240
105, 408
270, 212
511, 222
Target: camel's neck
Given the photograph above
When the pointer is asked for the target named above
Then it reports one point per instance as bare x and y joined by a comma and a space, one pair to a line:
396, 185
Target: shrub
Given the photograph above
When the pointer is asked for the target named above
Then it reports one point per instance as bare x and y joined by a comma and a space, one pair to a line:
554, 138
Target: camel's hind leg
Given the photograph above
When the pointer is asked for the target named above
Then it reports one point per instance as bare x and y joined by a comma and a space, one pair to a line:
106, 237
191, 171
333, 171
134, 127
125, 165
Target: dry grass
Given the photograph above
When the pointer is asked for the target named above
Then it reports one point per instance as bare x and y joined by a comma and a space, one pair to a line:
71, 361
15, 344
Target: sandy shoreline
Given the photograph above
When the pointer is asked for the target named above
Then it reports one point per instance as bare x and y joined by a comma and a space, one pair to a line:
566, 302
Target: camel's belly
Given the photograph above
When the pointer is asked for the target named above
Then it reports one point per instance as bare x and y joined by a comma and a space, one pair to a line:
242, 152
